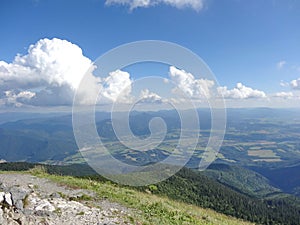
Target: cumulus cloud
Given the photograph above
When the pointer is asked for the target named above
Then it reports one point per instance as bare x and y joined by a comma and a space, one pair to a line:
13, 99
295, 84
149, 97
50, 73
52, 69
240, 92
194, 4
284, 95
281, 64
54, 62
116, 87
186, 82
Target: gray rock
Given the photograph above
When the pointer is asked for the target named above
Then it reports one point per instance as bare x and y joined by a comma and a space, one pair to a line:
44, 205
12, 222
2, 197
28, 212
42, 208
31, 186
42, 213
8, 199
19, 204
18, 196
3, 187
1, 216
55, 195
18, 193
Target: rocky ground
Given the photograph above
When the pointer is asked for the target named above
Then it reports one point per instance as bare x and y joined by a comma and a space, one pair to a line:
26, 199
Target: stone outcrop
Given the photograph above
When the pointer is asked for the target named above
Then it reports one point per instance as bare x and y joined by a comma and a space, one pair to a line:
28, 200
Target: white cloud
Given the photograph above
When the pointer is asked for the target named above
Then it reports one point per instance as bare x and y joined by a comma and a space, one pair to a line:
54, 62
281, 64
13, 99
284, 84
240, 92
186, 82
149, 97
284, 94
116, 87
295, 84
52, 70
194, 4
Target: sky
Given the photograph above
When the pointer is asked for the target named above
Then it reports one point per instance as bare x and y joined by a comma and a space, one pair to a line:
252, 47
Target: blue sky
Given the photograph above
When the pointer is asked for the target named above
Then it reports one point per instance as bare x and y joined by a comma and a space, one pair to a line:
256, 43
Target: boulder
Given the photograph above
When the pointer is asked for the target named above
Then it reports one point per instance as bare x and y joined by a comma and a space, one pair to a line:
18, 195
8, 199
1, 197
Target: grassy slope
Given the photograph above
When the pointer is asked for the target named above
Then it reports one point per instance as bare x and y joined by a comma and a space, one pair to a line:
151, 209
193, 187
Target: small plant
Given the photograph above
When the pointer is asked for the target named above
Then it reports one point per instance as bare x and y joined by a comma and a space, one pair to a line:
153, 188
62, 195
85, 197
38, 170
82, 197
25, 201
131, 219
80, 213
58, 211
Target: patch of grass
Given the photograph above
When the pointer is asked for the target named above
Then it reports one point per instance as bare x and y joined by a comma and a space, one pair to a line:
38, 170
58, 211
80, 213
82, 197
25, 201
62, 195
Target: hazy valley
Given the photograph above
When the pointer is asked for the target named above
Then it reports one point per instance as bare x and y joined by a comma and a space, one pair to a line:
258, 161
